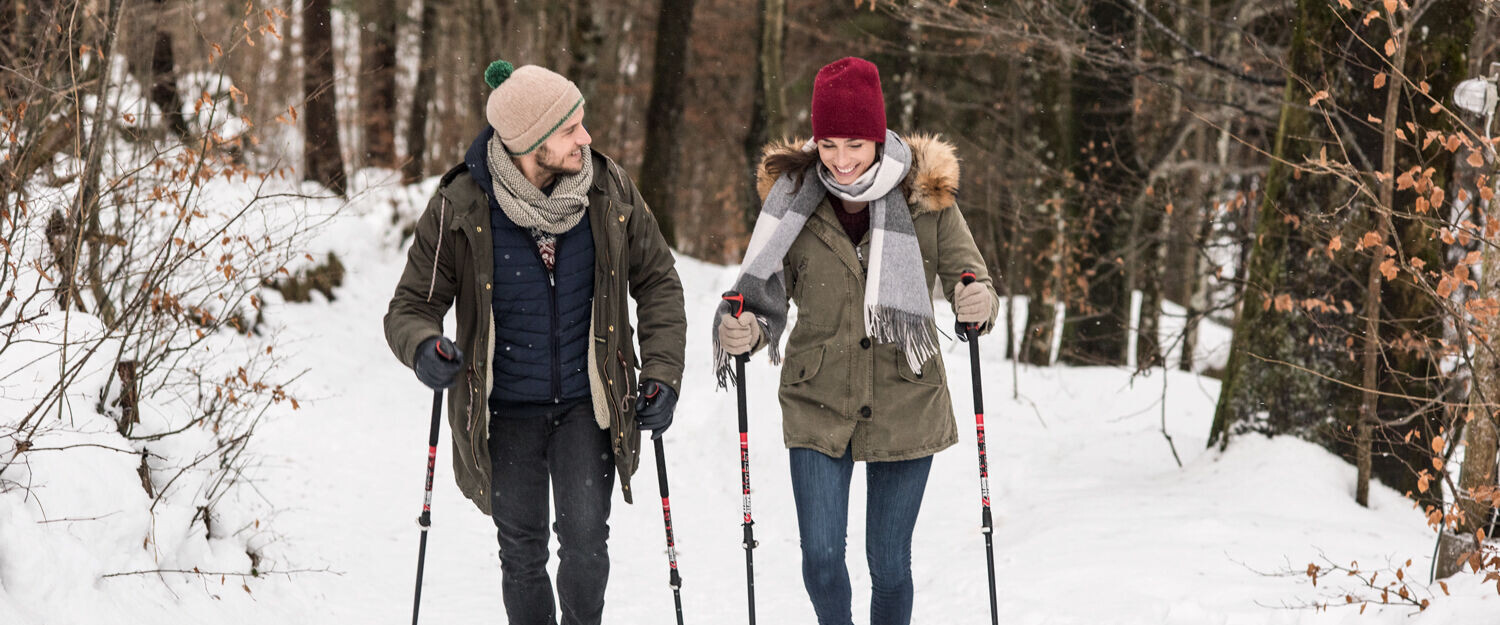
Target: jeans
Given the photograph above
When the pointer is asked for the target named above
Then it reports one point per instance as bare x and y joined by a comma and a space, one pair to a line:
820, 486
570, 449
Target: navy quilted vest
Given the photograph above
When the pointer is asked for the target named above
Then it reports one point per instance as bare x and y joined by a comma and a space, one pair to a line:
541, 319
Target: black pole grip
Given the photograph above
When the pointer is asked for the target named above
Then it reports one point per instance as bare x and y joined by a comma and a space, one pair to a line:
736, 301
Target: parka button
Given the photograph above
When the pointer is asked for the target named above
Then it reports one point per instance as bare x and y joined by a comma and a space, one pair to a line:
865, 342
864, 411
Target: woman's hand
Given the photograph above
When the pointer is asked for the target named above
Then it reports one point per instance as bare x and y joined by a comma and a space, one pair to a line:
973, 303
739, 335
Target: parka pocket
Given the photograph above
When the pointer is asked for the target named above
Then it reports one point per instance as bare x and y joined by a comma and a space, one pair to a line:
930, 375
802, 366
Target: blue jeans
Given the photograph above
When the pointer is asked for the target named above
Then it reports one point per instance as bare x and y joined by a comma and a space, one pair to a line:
820, 485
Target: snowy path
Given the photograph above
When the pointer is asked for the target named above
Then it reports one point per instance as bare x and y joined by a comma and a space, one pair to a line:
1095, 523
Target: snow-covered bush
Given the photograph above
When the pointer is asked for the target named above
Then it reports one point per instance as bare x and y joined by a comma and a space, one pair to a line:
134, 368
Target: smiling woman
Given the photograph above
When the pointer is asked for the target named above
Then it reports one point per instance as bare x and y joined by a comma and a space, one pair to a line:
861, 223
846, 159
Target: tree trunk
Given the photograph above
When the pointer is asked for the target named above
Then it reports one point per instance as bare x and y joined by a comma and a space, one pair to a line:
477, 34
1044, 239
659, 166
10, 38
1481, 432
421, 97
767, 113
158, 69
1481, 420
907, 68
585, 38
325, 163
1106, 167
377, 84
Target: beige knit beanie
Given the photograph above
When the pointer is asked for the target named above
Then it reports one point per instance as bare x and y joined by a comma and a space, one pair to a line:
528, 104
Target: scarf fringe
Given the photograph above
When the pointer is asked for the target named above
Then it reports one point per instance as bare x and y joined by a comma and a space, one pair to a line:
908, 330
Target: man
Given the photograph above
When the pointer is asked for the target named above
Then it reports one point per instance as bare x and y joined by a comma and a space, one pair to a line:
539, 239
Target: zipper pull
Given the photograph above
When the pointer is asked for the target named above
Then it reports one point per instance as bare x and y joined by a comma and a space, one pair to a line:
551, 278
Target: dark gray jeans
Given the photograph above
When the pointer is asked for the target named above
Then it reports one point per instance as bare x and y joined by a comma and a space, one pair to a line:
569, 448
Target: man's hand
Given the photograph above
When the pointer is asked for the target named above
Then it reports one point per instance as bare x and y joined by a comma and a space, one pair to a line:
654, 404
438, 362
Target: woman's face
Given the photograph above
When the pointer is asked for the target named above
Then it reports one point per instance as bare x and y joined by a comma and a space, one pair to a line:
847, 159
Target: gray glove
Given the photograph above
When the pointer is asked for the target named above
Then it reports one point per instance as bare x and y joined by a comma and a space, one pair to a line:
739, 336
972, 303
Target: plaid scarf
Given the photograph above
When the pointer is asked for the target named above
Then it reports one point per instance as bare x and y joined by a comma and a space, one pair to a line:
898, 306
526, 205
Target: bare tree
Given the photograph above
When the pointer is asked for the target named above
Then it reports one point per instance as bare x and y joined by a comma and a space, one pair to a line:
377, 92
660, 167
421, 96
324, 159
768, 112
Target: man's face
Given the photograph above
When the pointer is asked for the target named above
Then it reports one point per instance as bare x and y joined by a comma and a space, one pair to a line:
562, 153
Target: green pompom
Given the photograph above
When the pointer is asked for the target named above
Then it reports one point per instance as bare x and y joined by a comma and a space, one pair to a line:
497, 72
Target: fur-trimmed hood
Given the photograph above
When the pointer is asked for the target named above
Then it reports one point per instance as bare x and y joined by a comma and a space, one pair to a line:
930, 186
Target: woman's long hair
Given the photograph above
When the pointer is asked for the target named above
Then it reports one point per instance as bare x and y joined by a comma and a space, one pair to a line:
794, 163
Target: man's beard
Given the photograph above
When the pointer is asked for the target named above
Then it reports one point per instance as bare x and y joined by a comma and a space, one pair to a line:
555, 165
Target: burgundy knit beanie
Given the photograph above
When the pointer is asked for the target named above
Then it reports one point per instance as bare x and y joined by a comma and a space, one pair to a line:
847, 102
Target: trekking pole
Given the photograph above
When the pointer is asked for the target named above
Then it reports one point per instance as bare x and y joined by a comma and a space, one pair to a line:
425, 520
749, 544
971, 333
675, 580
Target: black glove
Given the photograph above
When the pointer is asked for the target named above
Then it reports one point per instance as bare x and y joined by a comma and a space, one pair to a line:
654, 404
438, 362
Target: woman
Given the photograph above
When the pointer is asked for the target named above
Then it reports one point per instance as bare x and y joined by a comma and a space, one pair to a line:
856, 227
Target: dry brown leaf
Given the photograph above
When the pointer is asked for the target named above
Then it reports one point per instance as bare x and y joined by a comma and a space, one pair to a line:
1388, 269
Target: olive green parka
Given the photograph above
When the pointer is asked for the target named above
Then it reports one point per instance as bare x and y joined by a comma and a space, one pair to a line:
450, 261
839, 390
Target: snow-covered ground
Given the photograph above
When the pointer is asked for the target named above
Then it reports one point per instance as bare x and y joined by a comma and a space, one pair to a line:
1094, 521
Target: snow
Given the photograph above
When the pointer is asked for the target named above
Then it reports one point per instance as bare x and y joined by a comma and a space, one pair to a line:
1094, 520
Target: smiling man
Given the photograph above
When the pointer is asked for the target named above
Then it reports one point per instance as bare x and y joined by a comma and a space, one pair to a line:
539, 240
